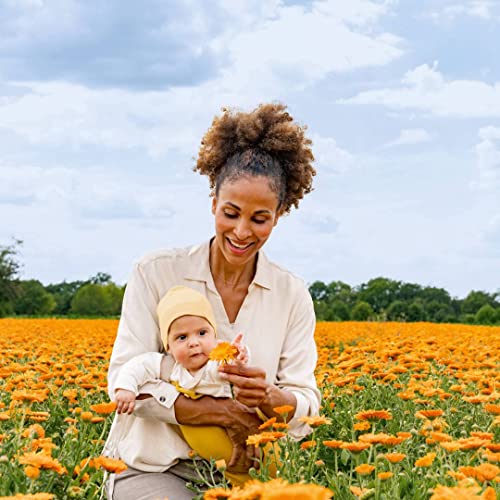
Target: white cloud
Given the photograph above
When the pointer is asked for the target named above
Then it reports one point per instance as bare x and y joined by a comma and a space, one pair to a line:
85, 194
285, 48
426, 89
411, 136
329, 157
481, 9
488, 158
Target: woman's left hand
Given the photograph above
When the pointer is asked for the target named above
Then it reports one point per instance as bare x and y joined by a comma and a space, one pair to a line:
249, 383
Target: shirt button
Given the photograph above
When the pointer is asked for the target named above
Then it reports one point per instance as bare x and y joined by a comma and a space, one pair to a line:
162, 399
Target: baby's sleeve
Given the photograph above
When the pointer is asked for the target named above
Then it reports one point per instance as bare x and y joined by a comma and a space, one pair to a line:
139, 371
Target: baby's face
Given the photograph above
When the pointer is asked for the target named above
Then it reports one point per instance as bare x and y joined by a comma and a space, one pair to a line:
190, 340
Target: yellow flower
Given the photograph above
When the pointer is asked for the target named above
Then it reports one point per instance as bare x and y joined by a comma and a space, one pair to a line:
315, 421
373, 415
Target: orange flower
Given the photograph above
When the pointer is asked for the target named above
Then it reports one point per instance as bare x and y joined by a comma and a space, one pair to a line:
224, 352
491, 408
268, 423
355, 447
307, 444
104, 408
264, 437
111, 464
362, 426
333, 443
32, 472
358, 492
429, 413
425, 461
394, 458
315, 421
364, 469
86, 415
483, 472
373, 415
384, 475
42, 461
283, 410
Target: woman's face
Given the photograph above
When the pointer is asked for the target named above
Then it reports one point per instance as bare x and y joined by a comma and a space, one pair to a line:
246, 210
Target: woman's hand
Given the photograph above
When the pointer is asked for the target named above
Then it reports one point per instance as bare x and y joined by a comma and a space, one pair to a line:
249, 383
251, 389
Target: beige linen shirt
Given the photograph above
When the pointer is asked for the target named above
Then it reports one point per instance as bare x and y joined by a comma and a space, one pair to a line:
276, 317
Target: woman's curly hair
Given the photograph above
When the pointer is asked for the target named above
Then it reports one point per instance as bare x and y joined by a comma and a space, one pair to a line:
266, 142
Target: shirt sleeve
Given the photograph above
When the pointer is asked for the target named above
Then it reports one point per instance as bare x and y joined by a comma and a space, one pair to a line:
298, 362
138, 371
138, 333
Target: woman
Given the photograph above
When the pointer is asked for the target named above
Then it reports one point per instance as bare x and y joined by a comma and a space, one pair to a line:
259, 166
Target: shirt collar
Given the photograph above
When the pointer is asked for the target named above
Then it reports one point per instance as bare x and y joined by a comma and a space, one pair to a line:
199, 269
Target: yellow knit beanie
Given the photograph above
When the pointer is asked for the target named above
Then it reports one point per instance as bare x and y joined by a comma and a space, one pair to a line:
182, 301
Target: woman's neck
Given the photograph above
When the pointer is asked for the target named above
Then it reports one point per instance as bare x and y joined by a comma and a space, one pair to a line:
228, 275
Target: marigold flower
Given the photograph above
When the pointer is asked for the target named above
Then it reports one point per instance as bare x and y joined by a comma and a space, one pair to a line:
364, 469
315, 421
355, 447
268, 423
362, 426
358, 492
42, 461
483, 472
104, 408
220, 464
425, 461
32, 472
263, 438
491, 408
373, 415
384, 475
224, 352
111, 464
283, 410
86, 415
395, 458
217, 494
333, 443
307, 444
429, 413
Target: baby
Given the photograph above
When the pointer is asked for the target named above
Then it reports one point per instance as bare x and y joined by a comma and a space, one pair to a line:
188, 333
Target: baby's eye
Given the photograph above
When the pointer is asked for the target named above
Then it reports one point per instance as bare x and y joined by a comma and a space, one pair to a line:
202, 333
181, 337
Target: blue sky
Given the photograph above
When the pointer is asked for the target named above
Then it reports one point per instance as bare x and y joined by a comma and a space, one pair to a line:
103, 105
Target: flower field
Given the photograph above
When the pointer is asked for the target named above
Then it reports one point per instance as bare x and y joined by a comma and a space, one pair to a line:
409, 411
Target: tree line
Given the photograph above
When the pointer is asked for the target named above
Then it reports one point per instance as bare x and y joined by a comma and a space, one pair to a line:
97, 296
383, 299
380, 299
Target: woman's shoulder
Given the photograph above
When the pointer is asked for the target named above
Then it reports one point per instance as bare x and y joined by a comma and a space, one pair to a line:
169, 256
280, 277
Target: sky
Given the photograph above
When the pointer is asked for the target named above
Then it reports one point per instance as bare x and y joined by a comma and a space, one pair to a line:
103, 106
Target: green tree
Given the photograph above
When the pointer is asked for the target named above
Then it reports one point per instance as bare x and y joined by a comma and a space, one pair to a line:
93, 299
33, 299
339, 311
397, 311
487, 315
379, 293
362, 311
416, 312
319, 291
475, 300
9, 271
63, 294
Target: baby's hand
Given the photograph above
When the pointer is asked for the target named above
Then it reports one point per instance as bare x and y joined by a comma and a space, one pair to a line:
125, 401
242, 349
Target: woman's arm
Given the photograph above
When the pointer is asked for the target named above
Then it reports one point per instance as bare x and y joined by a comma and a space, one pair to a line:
238, 420
295, 381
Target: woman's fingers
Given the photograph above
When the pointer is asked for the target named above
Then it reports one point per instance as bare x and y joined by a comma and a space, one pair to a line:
243, 371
